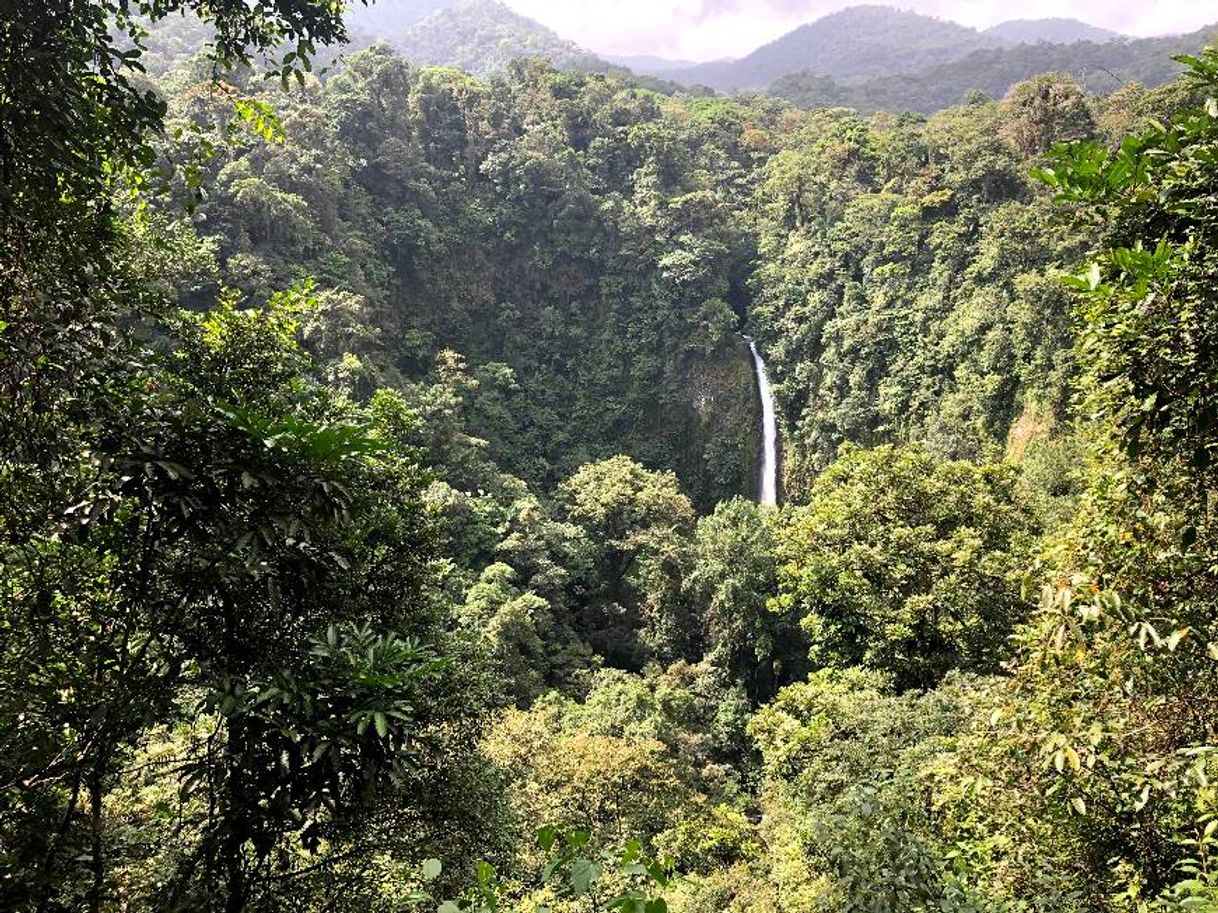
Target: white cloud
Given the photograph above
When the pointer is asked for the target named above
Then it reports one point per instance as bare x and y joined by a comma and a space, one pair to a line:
707, 29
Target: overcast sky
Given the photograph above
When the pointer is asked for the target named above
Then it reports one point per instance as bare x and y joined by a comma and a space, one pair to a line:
709, 29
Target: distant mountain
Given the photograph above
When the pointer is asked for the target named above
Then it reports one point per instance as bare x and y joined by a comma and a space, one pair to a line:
647, 63
863, 42
480, 36
1050, 31
387, 17
1102, 67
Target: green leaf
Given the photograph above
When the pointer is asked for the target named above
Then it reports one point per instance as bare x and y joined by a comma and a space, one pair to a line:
576, 839
546, 837
658, 874
1095, 276
583, 873
486, 874
432, 869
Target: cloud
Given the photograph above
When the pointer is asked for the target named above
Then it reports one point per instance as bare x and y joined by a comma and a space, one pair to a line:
709, 29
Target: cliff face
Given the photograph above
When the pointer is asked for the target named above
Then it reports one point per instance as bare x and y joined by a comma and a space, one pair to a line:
721, 436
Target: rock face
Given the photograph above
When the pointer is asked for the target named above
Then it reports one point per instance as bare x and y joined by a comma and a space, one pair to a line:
722, 419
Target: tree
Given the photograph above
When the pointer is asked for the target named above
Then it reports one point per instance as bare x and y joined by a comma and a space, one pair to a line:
639, 522
1047, 110
746, 638
530, 642
227, 514
907, 564
856, 810
1115, 689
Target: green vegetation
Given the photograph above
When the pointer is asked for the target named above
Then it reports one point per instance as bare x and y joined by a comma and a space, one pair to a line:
374, 464
1103, 65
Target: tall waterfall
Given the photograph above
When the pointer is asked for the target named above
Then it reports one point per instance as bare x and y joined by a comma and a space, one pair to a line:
769, 456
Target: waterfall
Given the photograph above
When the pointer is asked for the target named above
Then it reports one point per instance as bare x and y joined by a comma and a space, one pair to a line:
769, 457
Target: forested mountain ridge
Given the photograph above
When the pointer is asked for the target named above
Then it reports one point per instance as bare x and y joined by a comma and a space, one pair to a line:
856, 43
348, 433
481, 37
868, 57
1103, 67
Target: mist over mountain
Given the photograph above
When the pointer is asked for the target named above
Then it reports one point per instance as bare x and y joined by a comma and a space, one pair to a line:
649, 63
1051, 31
386, 17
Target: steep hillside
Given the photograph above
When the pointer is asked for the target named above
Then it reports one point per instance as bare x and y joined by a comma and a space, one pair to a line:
859, 43
1101, 67
1052, 31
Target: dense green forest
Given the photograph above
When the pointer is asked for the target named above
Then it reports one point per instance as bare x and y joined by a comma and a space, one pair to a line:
378, 476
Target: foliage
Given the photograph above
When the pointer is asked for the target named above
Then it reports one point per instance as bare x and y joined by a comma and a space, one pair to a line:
904, 287
1105, 66
908, 565
638, 521
1119, 661
851, 773
369, 488
746, 637
577, 875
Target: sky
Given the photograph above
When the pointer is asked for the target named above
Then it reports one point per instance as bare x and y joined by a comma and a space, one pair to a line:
712, 29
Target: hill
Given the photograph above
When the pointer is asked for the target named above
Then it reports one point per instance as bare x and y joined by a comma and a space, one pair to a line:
385, 17
863, 42
1102, 67
1050, 31
482, 37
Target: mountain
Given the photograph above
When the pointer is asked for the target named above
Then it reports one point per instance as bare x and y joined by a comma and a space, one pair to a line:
387, 17
650, 64
863, 42
1102, 67
480, 36
1050, 31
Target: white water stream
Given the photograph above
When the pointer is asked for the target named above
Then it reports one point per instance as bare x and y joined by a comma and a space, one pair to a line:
769, 457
